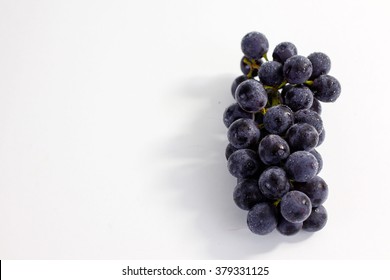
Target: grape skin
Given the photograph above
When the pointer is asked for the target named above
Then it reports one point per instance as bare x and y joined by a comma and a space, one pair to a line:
243, 163
295, 207
297, 69
302, 137
298, 97
316, 189
310, 117
287, 228
301, 166
318, 156
254, 45
271, 73
283, 51
233, 113
246, 194
251, 96
321, 64
278, 119
243, 133
236, 83
273, 182
326, 88
261, 218
273, 149
317, 219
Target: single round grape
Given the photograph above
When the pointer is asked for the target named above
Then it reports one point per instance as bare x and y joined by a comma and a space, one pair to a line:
233, 113
235, 84
283, 51
250, 67
243, 163
261, 218
326, 88
316, 189
278, 119
295, 206
243, 133
254, 45
321, 137
301, 166
273, 183
273, 149
271, 73
287, 228
302, 137
297, 69
298, 97
321, 64
317, 219
247, 194
229, 150
310, 117
315, 153
316, 106
251, 96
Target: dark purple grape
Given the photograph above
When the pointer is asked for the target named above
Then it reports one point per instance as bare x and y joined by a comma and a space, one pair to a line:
298, 97
283, 51
295, 206
321, 64
316, 189
273, 149
310, 117
321, 137
254, 45
315, 153
273, 183
278, 119
243, 133
233, 113
235, 84
301, 166
271, 73
229, 150
326, 88
302, 137
317, 219
251, 96
244, 163
247, 194
297, 69
287, 228
316, 106
261, 218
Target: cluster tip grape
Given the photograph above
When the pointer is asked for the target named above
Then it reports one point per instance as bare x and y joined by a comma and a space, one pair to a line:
274, 127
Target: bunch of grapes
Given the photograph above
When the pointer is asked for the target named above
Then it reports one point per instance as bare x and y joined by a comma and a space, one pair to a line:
274, 127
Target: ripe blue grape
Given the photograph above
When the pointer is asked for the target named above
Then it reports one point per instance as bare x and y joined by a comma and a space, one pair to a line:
287, 228
302, 137
251, 96
273, 149
278, 119
295, 207
298, 97
301, 166
321, 64
243, 133
315, 153
262, 219
321, 137
254, 45
271, 73
233, 113
283, 51
297, 69
235, 84
273, 182
326, 88
317, 219
310, 117
316, 189
247, 194
244, 163
316, 106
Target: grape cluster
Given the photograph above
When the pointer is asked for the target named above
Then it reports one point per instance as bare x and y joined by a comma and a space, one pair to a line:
274, 128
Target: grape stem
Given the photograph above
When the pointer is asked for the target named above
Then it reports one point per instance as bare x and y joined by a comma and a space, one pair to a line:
309, 83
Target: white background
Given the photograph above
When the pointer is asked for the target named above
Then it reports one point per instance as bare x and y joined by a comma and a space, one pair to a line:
111, 135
